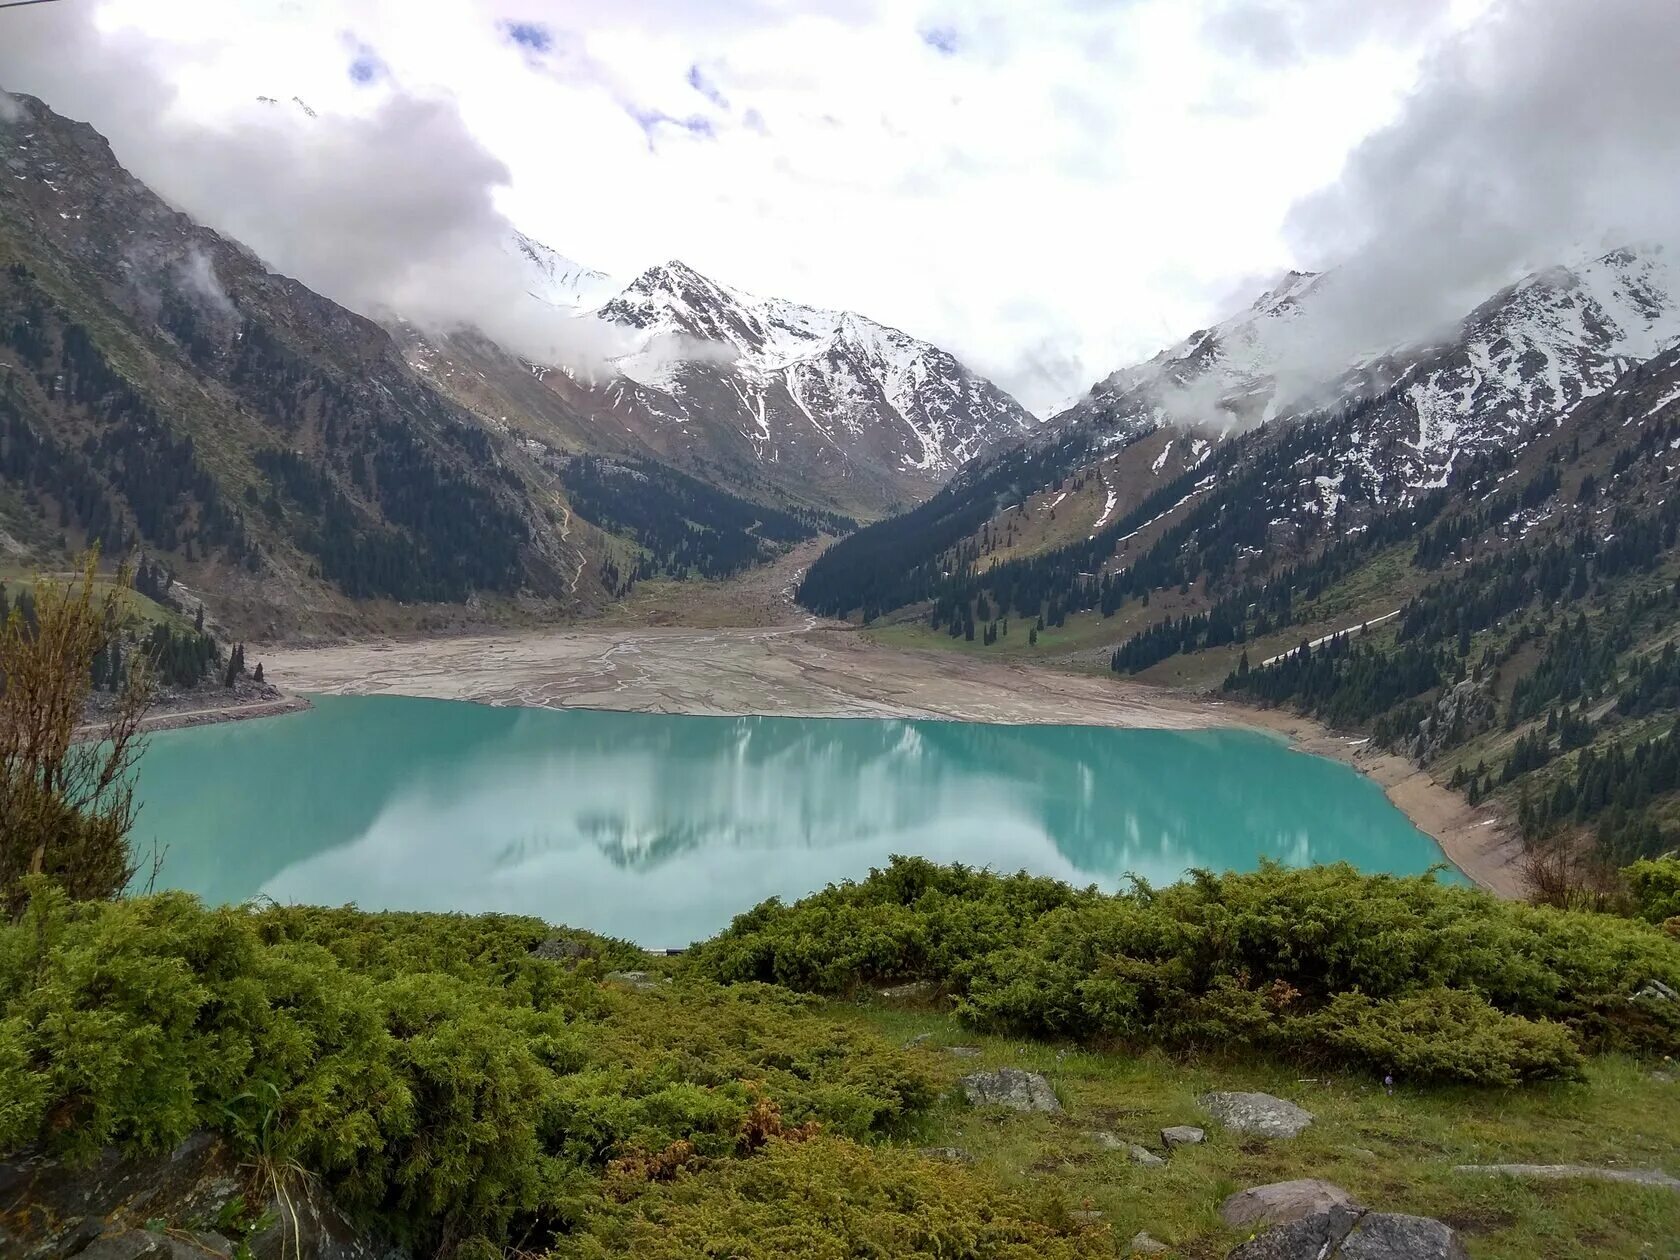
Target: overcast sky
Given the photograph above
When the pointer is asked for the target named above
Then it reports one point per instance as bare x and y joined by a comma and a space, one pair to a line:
1049, 189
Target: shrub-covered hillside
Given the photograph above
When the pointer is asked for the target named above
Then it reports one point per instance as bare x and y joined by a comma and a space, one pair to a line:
489, 1085
1323, 965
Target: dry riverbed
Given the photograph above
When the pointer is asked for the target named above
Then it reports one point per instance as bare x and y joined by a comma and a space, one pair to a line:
817, 670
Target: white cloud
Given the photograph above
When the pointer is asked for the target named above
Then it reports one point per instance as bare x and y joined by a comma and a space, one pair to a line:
1048, 190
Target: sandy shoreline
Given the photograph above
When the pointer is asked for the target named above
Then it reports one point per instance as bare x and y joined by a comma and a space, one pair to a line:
815, 670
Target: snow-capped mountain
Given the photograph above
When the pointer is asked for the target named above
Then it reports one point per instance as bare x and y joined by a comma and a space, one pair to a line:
1219, 377
806, 380
1521, 358
763, 396
556, 280
1530, 353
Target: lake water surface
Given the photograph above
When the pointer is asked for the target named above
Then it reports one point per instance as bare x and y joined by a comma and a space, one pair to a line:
661, 828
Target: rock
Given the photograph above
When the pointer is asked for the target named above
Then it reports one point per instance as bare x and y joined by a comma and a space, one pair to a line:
1282, 1202
641, 981
905, 992
1012, 1088
128, 1244
558, 948
1392, 1236
1463, 710
1181, 1135
1143, 1245
1143, 1157
1343, 1233
951, 1154
1106, 1140
1656, 991
1086, 1217
1575, 1172
1313, 1237
1259, 1114
54, 1212
964, 1052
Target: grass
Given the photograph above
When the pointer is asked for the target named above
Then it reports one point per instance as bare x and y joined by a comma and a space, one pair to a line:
1393, 1153
1082, 632
136, 606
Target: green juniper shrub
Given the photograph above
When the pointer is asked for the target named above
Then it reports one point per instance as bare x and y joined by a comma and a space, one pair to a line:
1319, 963
1440, 1034
831, 1199
914, 920
1655, 884
433, 1073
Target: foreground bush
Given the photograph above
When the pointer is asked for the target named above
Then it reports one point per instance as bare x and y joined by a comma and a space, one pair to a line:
1321, 963
828, 1199
1655, 884
427, 1067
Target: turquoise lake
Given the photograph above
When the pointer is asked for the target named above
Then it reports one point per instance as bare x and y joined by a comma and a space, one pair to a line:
661, 828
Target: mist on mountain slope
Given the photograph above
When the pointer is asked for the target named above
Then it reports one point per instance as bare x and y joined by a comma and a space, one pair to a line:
1543, 136
392, 214
1542, 133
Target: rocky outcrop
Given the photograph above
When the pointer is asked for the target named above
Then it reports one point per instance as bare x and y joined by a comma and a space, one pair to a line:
1575, 1172
1656, 991
914, 991
1143, 1244
194, 1202
1181, 1135
1282, 1202
1012, 1088
1462, 711
1350, 1234
1259, 1114
1143, 1157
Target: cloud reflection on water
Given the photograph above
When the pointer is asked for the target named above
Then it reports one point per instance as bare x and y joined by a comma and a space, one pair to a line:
661, 828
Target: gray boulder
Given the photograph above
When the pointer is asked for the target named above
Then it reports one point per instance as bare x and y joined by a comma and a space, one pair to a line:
1658, 992
1181, 1135
1344, 1233
1282, 1202
1143, 1157
1310, 1238
1575, 1172
1012, 1088
561, 948
1259, 1114
1106, 1140
1143, 1245
906, 992
129, 1244
1392, 1236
